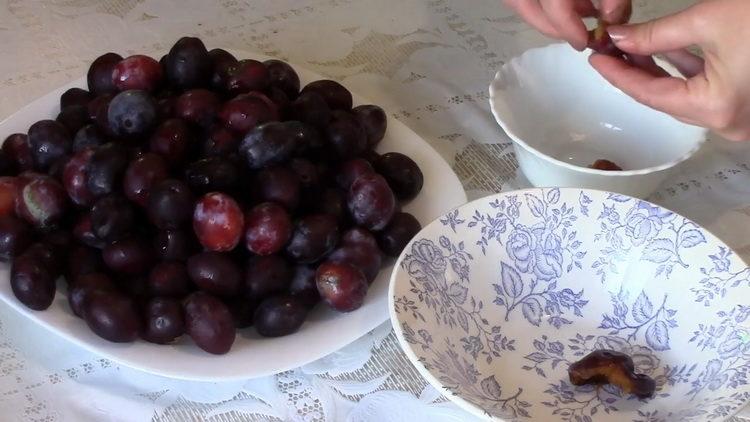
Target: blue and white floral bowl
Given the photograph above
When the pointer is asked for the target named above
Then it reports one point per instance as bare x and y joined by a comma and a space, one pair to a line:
493, 301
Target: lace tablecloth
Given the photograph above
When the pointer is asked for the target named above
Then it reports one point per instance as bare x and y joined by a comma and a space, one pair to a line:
426, 61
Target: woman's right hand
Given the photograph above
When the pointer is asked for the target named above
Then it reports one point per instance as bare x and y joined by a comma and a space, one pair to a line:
715, 92
563, 19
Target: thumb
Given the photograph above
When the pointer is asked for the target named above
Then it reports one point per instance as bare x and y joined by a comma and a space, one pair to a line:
669, 33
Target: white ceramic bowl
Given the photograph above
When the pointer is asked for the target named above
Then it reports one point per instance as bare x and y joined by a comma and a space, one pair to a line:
494, 300
562, 116
251, 356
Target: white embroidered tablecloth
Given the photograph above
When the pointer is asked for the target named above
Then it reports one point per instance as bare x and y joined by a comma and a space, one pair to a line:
428, 62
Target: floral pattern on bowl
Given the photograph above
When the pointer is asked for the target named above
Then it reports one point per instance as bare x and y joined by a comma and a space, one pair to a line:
493, 302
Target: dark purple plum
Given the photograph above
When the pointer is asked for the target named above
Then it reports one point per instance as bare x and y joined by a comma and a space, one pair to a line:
279, 316
75, 174
137, 72
132, 114
142, 175
283, 76
18, 149
245, 112
112, 218
221, 61
188, 64
335, 95
366, 258
84, 260
314, 237
268, 227
112, 316
174, 140
242, 310
74, 117
311, 108
280, 185
332, 201
9, 188
341, 286
213, 174
82, 286
266, 276
357, 236
403, 175
303, 285
216, 273
32, 284
170, 204
198, 106
75, 97
273, 143
220, 141
371, 202
84, 233
89, 136
375, 122
15, 237
131, 255
346, 136
209, 323
164, 320
398, 233
41, 201
245, 76
174, 245
169, 278
350, 170
106, 169
100, 74
218, 222
49, 141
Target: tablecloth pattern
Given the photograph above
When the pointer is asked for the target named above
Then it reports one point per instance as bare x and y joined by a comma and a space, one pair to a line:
428, 62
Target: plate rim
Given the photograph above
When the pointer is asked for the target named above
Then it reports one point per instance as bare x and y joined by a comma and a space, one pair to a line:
406, 346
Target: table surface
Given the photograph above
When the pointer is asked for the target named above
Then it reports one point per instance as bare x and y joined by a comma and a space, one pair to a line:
428, 62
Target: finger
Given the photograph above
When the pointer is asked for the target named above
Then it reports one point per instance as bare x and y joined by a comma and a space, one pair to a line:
671, 95
585, 8
669, 33
648, 64
532, 13
616, 11
568, 24
686, 62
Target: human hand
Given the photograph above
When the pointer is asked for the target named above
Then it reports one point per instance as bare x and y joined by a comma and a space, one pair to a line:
716, 93
563, 19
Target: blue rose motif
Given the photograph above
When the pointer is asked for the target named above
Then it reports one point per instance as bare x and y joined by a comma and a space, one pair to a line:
520, 248
642, 225
427, 258
721, 262
548, 258
643, 358
556, 348
612, 343
460, 265
735, 344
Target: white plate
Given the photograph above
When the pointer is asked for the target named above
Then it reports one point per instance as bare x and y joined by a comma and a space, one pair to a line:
251, 356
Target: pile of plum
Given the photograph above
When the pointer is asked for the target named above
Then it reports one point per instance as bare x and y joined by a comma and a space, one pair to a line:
200, 194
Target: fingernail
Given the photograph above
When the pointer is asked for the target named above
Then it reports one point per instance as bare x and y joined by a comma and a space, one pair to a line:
617, 33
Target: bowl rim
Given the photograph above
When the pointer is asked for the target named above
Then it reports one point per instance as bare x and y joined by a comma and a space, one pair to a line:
624, 173
415, 360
